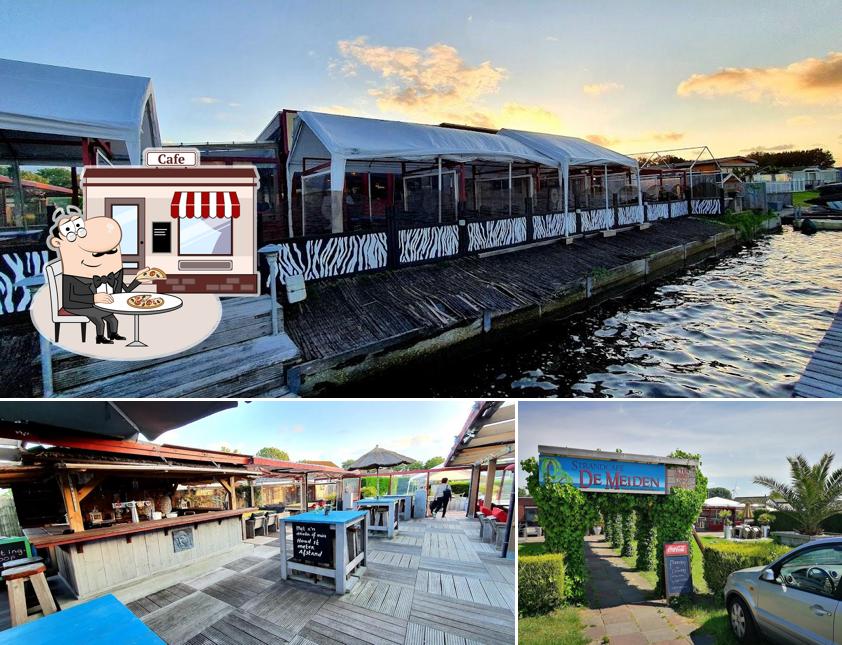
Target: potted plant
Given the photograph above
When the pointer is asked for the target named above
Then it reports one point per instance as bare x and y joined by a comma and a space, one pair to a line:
597, 528
726, 523
765, 520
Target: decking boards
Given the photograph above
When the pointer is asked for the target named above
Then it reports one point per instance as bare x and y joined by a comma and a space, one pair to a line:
343, 315
451, 595
822, 378
240, 358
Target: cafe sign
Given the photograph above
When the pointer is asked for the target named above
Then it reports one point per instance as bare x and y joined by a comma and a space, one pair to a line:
170, 157
608, 472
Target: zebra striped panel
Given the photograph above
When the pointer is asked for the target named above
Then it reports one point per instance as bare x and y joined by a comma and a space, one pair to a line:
597, 220
428, 243
705, 207
14, 267
630, 215
657, 211
496, 233
678, 209
553, 225
332, 256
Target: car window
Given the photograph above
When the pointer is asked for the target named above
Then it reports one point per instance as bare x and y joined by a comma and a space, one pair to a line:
817, 570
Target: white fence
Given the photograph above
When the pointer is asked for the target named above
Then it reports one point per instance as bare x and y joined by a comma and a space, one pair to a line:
792, 186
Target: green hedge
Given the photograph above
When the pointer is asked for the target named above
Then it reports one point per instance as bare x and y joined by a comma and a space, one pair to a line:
786, 523
540, 583
460, 488
722, 559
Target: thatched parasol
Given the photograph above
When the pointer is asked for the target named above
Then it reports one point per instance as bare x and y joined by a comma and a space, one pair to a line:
378, 458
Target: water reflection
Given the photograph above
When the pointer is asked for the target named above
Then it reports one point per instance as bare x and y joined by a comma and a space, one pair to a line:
743, 326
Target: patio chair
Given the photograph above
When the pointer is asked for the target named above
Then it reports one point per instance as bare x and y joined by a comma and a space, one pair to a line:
498, 529
52, 271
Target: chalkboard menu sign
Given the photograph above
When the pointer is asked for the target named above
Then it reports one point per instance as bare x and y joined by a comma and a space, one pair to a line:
14, 548
679, 580
312, 544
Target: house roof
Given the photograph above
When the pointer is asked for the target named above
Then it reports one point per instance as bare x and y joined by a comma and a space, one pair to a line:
488, 433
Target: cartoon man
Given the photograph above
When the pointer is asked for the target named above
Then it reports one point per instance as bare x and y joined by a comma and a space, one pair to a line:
92, 267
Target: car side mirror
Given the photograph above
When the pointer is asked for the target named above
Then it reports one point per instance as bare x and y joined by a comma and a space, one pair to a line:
768, 575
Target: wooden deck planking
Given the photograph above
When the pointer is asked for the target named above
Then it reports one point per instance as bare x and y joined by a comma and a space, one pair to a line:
822, 378
433, 600
351, 313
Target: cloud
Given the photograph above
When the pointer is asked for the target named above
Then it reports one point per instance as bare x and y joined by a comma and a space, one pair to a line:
658, 137
801, 119
598, 89
777, 148
602, 140
809, 81
206, 100
436, 84
552, 39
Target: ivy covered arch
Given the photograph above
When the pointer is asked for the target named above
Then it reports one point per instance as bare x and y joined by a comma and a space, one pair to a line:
566, 514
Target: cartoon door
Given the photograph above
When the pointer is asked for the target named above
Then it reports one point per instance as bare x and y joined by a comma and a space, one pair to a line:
130, 214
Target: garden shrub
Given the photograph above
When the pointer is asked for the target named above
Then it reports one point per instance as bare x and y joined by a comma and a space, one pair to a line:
566, 515
628, 530
459, 488
784, 522
541, 586
723, 558
644, 534
675, 514
368, 491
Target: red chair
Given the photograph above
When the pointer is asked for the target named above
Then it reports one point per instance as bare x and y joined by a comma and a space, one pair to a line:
485, 511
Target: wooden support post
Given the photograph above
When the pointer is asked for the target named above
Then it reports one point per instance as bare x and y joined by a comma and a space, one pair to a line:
233, 492
88, 488
74, 186
473, 491
303, 493
489, 481
71, 502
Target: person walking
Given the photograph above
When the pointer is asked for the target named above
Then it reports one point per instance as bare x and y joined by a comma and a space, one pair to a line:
442, 497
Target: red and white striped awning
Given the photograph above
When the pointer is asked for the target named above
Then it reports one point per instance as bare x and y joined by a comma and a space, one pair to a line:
205, 204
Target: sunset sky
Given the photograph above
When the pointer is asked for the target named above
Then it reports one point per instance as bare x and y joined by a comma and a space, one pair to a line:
635, 76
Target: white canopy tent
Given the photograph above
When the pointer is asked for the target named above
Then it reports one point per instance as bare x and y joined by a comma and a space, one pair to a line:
571, 151
721, 502
344, 140
69, 104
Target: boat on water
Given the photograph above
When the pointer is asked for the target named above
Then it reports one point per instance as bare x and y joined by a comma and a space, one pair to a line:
830, 196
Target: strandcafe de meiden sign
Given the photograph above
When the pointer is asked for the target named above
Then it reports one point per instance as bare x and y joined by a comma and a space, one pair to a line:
604, 475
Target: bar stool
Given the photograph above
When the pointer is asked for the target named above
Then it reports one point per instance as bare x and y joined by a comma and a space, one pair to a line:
15, 578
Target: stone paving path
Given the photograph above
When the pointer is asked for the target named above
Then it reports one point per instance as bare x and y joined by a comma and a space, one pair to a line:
622, 608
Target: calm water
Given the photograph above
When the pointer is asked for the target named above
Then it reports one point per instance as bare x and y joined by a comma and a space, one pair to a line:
744, 325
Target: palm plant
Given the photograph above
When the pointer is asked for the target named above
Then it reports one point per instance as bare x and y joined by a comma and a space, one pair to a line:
814, 494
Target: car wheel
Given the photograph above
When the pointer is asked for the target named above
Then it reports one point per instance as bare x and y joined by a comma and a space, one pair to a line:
742, 623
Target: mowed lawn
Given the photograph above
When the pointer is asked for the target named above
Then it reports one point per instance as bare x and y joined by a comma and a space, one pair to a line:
800, 199
563, 626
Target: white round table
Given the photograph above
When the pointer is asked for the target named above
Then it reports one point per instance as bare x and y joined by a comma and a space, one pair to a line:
121, 306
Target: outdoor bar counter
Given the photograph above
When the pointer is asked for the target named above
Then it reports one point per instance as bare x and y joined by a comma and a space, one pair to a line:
97, 560
383, 514
331, 545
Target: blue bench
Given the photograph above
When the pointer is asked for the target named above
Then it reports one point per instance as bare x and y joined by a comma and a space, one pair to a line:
104, 620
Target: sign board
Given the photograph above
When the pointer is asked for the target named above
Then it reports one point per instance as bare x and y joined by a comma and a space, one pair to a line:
170, 157
14, 548
182, 539
604, 475
312, 544
683, 477
677, 574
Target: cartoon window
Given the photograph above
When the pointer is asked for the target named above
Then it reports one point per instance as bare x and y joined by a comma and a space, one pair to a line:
204, 236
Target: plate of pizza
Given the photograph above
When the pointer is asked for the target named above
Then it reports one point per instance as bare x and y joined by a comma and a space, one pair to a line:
145, 301
151, 273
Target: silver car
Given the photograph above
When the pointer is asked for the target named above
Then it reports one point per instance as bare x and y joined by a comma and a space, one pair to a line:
796, 599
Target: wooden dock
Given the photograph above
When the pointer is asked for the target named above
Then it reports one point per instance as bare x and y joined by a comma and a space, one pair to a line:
434, 583
822, 378
241, 358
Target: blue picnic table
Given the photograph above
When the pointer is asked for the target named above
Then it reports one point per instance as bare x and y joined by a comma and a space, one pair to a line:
104, 620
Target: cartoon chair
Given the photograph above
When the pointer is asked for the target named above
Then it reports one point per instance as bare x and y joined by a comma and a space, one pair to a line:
60, 315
